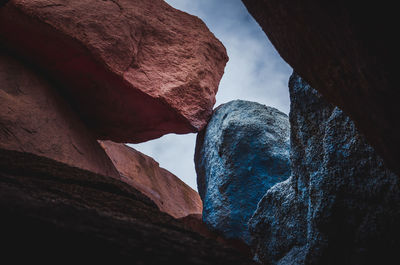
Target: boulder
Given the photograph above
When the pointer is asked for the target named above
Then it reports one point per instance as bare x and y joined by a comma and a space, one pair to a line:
340, 206
167, 191
348, 52
134, 70
35, 119
243, 151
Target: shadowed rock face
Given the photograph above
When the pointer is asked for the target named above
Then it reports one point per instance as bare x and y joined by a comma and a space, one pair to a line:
347, 55
3, 2
340, 206
134, 70
243, 151
35, 119
53, 211
195, 223
170, 194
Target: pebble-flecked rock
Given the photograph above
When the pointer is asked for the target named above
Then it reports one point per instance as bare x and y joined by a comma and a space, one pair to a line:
243, 151
340, 206
134, 70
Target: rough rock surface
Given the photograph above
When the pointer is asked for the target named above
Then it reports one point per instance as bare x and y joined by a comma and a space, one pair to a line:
340, 206
51, 211
170, 193
243, 151
35, 119
135, 70
347, 55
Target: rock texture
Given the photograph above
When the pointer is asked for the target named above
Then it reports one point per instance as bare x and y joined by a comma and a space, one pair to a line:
35, 119
169, 193
51, 211
135, 70
347, 55
243, 151
340, 206
53, 207
194, 222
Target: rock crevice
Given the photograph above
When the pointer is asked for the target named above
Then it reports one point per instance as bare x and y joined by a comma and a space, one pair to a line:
341, 204
243, 151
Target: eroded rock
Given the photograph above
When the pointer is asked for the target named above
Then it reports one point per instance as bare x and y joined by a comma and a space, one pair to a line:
134, 70
243, 151
35, 119
170, 193
340, 206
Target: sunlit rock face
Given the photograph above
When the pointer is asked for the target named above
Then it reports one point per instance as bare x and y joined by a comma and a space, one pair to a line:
345, 54
243, 152
35, 119
134, 70
340, 206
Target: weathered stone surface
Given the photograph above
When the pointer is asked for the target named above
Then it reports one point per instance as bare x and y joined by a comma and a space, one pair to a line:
170, 193
135, 70
348, 52
340, 206
243, 151
35, 119
51, 211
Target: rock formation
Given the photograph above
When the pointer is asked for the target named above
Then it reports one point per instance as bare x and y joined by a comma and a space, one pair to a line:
75, 71
348, 52
35, 119
194, 222
51, 211
243, 151
61, 197
135, 70
167, 191
340, 206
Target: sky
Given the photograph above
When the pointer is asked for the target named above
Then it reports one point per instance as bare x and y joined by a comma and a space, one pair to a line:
255, 72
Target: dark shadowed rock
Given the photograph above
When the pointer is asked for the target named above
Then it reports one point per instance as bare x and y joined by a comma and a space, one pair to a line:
51, 211
340, 206
170, 193
348, 51
243, 151
194, 222
134, 70
35, 119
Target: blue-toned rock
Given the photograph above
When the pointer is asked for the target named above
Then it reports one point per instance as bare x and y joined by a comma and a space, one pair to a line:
241, 154
340, 206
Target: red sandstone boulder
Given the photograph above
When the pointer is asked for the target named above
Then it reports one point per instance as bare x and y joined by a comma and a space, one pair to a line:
135, 70
170, 194
34, 119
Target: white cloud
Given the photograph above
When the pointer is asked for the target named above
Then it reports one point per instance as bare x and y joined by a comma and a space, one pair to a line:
254, 72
